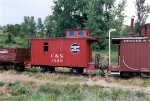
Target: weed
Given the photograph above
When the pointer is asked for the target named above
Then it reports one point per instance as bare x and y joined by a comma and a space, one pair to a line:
117, 94
140, 94
64, 97
13, 83
49, 88
20, 90
34, 69
146, 83
87, 95
2, 83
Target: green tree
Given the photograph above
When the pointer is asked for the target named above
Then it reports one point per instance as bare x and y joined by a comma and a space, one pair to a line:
28, 26
14, 29
142, 10
103, 15
9, 39
119, 18
69, 14
40, 26
50, 25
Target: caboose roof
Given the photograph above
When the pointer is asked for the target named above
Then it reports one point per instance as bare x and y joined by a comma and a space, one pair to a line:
60, 38
118, 39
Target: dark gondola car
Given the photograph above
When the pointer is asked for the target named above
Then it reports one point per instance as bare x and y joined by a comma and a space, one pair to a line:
13, 58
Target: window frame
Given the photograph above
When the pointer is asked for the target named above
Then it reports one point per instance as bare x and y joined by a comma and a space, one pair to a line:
71, 34
45, 47
79, 34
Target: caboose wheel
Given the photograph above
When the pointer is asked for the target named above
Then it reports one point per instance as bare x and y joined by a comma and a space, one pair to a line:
77, 70
125, 74
1, 67
51, 69
80, 70
19, 67
43, 69
146, 74
6, 67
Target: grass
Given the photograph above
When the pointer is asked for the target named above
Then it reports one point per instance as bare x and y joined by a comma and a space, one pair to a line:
22, 91
58, 77
62, 75
136, 81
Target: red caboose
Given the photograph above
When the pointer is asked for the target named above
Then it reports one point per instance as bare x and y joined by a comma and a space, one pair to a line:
73, 51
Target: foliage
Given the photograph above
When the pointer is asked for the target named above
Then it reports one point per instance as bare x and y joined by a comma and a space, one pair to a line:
50, 25
34, 70
69, 15
40, 26
119, 18
2, 83
14, 29
73, 92
9, 39
28, 26
142, 11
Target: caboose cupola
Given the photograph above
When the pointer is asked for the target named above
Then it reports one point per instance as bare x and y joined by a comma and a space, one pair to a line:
77, 33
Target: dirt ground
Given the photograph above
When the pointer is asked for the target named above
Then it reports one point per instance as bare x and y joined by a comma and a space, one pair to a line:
7, 77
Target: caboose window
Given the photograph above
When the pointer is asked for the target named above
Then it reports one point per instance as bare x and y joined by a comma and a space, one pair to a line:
45, 46
80, 34
71, 33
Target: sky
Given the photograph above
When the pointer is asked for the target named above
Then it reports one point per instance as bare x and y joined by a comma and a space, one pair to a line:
130, 11
13, 11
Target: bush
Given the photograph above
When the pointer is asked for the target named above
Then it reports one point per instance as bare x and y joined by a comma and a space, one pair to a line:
72, 88
117, 94
34, 70
2, 83
49, 88
13, 83
17, 88
146, 83
20, 90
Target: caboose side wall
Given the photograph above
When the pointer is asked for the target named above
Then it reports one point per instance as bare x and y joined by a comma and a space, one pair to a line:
135, 56
60, 52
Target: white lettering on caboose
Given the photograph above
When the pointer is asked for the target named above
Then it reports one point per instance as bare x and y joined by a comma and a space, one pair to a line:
57, 57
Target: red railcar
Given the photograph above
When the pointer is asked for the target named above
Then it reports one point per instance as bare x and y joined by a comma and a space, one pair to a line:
13, 58
73, 51
134, 52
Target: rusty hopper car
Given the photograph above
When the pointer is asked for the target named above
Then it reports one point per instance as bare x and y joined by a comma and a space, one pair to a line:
74, 51
13, 58
134, 53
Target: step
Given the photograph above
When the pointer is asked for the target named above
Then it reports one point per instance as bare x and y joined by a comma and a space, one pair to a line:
115, 73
